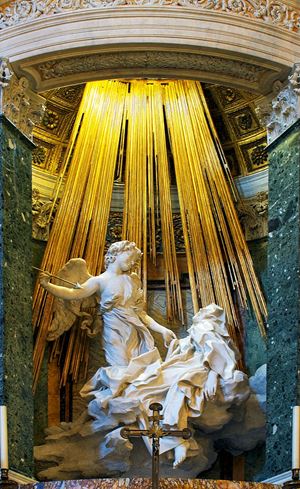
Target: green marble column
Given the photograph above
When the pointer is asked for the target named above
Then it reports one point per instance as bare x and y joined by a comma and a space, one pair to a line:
283, 382
15, 293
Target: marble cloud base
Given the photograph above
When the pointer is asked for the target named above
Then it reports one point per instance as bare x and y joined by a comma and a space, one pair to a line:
141, 483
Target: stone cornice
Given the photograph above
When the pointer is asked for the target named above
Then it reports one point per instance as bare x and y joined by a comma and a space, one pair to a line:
270, 11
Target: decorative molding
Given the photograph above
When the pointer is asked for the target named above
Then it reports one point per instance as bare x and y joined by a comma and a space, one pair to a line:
21, 105
279, 479
251, 185
253, 214
280, 113
271, 11
45, 183
96, 62
21, 479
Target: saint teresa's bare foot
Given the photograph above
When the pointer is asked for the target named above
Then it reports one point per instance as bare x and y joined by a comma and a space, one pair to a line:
180, 453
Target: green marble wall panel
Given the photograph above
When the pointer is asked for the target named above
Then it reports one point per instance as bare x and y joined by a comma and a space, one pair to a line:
255, 349
15, 294
283, 298
41, 393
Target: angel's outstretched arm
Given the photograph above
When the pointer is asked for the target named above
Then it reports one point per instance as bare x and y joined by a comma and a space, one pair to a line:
87, 289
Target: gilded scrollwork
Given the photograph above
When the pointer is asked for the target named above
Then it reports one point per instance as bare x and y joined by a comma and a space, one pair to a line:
271, 11
259, 156
255, 154
39, 156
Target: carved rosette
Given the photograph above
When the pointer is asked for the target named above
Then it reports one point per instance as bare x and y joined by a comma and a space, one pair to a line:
253, 215
284, 110
271, 11
19, 103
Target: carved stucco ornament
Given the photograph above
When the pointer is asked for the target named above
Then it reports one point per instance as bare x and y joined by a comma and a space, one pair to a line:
253, 215
294, 79
271, 11
5, 76
56, 69
284, 110
19, 103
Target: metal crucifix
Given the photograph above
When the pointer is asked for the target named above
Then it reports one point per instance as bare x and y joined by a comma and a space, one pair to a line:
156, 432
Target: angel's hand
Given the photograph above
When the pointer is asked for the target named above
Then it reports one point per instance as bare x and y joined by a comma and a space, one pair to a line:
168, 335
44, 279
210, 387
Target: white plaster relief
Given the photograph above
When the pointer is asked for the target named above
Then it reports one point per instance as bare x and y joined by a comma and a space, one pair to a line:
275, 12
5, 76
284, 110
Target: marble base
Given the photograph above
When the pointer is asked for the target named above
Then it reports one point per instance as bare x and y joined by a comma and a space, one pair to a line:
141, 483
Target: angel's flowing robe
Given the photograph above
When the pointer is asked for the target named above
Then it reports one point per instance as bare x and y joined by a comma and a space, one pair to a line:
125, 336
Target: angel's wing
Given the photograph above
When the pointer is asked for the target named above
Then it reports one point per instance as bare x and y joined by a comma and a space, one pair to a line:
65, 313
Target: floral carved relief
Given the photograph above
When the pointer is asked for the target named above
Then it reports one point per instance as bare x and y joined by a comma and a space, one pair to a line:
271, 11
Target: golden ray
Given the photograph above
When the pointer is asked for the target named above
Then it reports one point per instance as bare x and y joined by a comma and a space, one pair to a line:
131, 118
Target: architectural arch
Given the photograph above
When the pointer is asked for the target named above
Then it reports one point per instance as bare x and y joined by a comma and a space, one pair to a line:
75, 45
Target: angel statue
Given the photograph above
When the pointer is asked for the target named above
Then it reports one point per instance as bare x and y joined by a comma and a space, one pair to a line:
197, 383
118, 292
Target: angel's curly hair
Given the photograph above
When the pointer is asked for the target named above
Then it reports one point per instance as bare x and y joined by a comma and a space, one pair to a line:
119, 247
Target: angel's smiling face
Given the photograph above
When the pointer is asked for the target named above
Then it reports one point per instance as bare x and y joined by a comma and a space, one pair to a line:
127, 260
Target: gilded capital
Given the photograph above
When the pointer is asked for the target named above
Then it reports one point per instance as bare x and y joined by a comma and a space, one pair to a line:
23, 107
